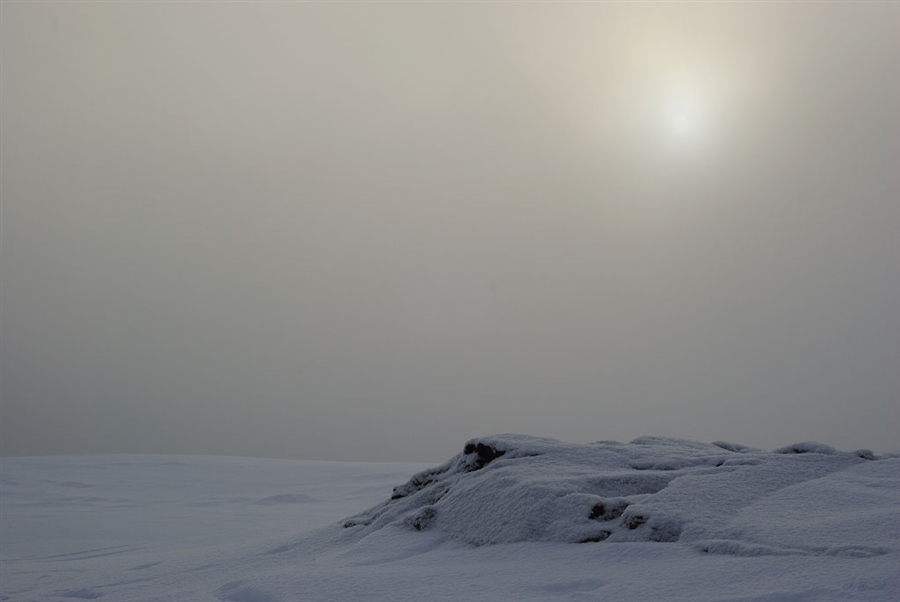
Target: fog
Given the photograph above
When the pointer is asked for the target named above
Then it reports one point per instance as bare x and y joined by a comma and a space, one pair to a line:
372, 231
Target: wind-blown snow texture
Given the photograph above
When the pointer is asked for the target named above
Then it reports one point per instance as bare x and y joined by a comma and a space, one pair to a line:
509, 518
515, 488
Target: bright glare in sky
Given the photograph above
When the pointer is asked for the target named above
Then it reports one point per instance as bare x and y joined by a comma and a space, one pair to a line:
683, 116
680, 120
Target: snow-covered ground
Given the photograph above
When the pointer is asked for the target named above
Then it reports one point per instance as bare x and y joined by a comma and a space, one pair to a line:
509, 518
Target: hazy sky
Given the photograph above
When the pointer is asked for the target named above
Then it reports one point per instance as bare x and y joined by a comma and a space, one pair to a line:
376, 230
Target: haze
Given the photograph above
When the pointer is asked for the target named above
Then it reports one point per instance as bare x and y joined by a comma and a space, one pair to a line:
372, 231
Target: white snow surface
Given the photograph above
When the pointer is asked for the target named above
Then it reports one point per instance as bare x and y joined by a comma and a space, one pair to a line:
511, 517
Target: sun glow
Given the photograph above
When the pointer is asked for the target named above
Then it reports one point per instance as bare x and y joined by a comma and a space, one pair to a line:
684, 117
680, 120
684, 113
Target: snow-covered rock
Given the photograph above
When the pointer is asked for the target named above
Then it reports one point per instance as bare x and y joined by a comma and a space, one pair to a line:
515, 488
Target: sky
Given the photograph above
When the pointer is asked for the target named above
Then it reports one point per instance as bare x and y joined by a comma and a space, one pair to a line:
372, 231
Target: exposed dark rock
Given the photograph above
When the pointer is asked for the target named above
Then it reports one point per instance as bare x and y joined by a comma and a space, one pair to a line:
419, 482
484, 454
633, 522
734, 447
599, 537
422, 519
604, 511
807, 447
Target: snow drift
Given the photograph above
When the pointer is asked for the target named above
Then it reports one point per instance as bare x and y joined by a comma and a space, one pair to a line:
719, 496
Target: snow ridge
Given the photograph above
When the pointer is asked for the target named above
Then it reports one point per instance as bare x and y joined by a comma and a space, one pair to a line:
515, 488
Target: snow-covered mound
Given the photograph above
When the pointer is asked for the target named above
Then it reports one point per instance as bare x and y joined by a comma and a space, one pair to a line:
802, 523
720, 497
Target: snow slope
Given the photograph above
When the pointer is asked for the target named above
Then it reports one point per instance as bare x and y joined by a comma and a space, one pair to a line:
509, 518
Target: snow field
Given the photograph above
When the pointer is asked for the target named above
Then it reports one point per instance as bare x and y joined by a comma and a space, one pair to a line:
508, 518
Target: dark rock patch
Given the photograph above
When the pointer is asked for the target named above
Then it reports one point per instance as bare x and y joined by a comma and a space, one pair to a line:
607, 511
484, 455
635, 521
599, 537
419, 482
422, 519
807, 447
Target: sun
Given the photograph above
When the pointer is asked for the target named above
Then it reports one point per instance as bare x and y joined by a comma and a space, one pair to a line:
684, 117
680, 121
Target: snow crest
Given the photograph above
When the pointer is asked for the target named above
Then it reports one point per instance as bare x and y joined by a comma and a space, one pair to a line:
515, 488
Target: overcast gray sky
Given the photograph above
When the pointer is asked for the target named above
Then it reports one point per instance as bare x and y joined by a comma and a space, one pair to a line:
375, 230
